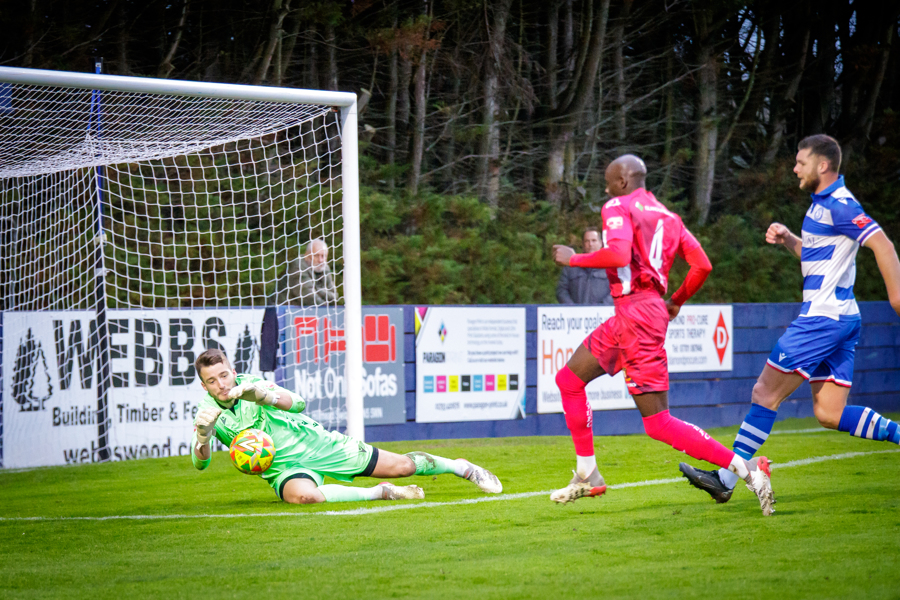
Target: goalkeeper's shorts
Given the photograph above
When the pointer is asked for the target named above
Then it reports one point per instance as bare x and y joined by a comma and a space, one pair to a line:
347, 459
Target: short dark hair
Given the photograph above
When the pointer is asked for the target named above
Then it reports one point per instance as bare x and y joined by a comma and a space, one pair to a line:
825, 146
591, 228
210, 357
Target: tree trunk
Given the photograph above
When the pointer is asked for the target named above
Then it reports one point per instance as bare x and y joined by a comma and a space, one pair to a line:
278, 57
403, 106
565, 118
552, 49
707, 133
736, 117
392, 114
331, 49
560, 136
769, 25
280, 9
28, 57
796, 42
823, 102
619, 59
122, 41
418, 134
598, 118
288, 48
312, 59
569, 38
166, 67
489, 160
863, 124
449, 181
667, 157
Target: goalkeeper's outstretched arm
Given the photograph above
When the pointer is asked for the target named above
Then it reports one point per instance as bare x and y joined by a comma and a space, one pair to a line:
266, 393
204, 430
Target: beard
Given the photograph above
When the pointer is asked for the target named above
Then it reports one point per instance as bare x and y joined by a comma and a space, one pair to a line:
809, 185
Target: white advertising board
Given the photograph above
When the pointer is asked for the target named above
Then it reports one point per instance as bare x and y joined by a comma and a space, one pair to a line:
155, 387
561, 329
49, 389
470, 364
701, 338
51, 369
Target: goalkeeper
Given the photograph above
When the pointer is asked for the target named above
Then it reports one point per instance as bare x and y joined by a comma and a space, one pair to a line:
305, 452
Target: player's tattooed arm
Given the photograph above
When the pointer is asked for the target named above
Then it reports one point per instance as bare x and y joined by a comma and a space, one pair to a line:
888, 264
779, 234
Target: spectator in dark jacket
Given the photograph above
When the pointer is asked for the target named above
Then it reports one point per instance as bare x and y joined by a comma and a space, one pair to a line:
308, 280
578, 285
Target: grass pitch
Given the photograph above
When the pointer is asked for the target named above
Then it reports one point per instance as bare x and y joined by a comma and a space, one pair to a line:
222, 534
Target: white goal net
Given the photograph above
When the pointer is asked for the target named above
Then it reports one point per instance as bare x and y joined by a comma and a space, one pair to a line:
144, 221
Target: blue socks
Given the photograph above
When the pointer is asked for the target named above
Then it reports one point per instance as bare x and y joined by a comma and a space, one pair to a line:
863, 422
754, 430
753, 433
858, 421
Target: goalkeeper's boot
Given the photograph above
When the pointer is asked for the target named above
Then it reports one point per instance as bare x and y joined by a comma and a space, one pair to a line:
481, 477
389, 491
760, 483
708, 481
592, 485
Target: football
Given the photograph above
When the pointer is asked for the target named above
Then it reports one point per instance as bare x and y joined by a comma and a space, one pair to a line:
252, 451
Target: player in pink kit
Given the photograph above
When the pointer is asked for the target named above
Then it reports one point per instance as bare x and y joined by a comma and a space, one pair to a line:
641, 238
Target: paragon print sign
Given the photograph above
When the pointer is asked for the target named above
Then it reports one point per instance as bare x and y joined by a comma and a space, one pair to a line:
470, 364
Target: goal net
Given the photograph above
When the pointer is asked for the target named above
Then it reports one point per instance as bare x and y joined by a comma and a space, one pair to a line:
143, 221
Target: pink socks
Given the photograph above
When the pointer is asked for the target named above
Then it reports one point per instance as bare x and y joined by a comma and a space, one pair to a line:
661, 426
579, 417
687, 438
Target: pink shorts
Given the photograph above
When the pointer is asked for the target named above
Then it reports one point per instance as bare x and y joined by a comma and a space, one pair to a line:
634, 340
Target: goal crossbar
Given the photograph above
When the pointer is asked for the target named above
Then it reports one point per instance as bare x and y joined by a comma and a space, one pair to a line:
174, 87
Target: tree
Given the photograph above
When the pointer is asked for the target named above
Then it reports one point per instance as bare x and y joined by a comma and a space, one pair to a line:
489, 161
571, 101
166, 67
708, 130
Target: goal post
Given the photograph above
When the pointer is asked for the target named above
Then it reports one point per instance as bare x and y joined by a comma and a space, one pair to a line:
177, 196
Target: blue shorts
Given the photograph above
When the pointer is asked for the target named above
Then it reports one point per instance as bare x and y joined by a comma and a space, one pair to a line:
818, 349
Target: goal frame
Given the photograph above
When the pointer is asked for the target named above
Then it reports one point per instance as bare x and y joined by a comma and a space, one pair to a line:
345, 101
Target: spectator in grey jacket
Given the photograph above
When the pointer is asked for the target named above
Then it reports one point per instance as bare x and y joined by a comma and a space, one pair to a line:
308, 281
578, 285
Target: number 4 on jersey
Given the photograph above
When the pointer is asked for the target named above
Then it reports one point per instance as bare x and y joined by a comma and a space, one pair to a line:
656, 248
656, 251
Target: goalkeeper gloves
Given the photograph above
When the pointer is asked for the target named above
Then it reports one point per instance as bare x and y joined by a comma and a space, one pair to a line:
206, 424
259, 392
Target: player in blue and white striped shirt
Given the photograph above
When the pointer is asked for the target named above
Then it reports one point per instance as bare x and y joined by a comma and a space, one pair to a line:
820, 344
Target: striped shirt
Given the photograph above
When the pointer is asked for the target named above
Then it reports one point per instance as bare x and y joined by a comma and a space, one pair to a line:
833, 229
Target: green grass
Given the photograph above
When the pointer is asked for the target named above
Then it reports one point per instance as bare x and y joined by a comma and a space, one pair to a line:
836, 532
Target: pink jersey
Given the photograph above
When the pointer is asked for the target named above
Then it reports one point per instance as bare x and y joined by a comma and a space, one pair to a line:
656, 235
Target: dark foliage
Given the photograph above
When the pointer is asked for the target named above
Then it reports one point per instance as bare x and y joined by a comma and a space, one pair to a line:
485, 132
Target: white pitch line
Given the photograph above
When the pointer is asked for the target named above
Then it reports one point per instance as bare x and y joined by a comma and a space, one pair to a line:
28, 469
817, 459
813, 430
393, 507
